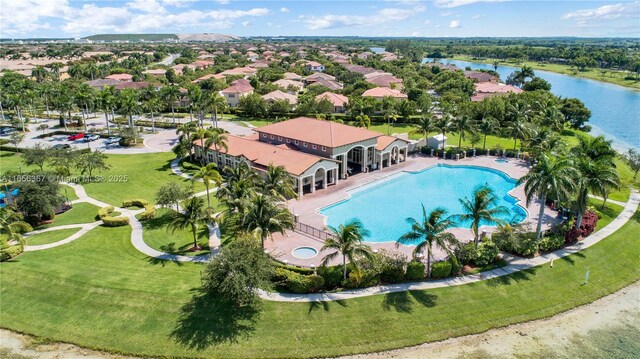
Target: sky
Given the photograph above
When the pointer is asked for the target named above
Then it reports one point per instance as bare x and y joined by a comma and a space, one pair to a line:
402, 18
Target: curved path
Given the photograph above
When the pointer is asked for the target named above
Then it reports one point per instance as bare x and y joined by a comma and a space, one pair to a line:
84, 228
515, 264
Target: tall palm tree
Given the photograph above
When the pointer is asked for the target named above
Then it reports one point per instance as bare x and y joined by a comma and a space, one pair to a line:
191, 218
517, 128
202, 135
171, 93
551, 175
17, 101
107, 102
430, 232
185, 132
45, 91
264, 217
218, 139
481, 209
128, 105
278, 183
443, 124
92, 70
487, 126
217, 104
594, 148
347, 241
39, 73
12, 226
595, 177
208, 174
84, 98
424, 126
462, 125
152, 106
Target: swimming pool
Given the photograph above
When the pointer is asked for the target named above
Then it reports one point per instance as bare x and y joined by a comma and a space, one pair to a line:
384, 206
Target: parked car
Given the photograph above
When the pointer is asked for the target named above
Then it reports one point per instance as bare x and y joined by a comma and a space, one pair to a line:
6, 130
89, 138
61, 146
76, 136
112, 140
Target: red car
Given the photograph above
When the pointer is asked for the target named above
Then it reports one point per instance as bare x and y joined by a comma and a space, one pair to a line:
77, 136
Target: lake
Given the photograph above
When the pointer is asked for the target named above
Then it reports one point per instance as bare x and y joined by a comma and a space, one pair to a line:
615, 110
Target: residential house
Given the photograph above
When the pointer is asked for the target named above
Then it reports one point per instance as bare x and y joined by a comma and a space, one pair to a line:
233, 93
120, 77
490, 89
99, 84
277, 95
379, 93
289, 84
155, 72
479, 76
314, 66
338, 101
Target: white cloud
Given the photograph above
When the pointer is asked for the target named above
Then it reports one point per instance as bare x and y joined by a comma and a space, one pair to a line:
455, 24
222, 2
19, 17
246, 23
380, 17
178, 3
150, 6
476, 17
606, 12
446, 13
284, 10
456, 3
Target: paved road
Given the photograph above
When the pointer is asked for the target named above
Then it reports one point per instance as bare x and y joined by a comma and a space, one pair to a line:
169, 59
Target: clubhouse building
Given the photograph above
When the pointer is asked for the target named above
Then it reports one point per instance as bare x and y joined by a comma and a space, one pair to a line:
315, 153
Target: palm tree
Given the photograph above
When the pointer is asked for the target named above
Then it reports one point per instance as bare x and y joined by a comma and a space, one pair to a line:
184, 133
45, 91
39, 73
443, 124
107, 102
463, 125
12, 226
128, 105
347, 241
363, 121
424, 126
92, 69
519, 118
594, 148
191, 218
218, 139
152, 106
430, 232
596, 177
278, 183
217, 104
208, 174
551, 175
481, 209
202, 134
171, 93
264, 216
84, 97
17, 101
487, 126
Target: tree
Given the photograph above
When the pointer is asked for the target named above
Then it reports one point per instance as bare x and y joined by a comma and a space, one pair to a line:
15, 138
517, 128
171, 194
170, 94
537, 83
42, 127
91, 161
208, 174
36, 156
128, 105
152, 106
106, 101
363, 121
594, 148
217, 104
430, 232
551, 175
347, 241
12, 226
39, 198
170, 74
218, 139
487, 126
253, 105
424, 126
278, 183
61, 160
237, 273
481, 209
595, 177
462, 125
633, 160
39, 73
264, 216
191, 218
443, 124
576, 114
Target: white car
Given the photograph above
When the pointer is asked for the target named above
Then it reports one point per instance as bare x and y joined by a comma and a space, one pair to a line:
112, 140
90, 138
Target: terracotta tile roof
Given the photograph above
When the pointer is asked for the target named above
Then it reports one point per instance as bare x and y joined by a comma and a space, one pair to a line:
284, 83
279, 95
264, 154
131, 85
384, 141
241, 82
479, 76
330, 84
383, 80
239, 71
203, 78
292, 76
319, 132
99, 83
120, 77
240, 88
319, 75
336, 99
380, 92
493, 87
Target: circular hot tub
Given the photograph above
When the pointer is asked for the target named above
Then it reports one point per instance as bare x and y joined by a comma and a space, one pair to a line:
304, 252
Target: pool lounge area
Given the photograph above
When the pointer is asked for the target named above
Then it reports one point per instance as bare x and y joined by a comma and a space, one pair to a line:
384, 200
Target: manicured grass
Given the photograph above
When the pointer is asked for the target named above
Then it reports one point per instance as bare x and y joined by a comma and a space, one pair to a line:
614, 77
99, 292
80, 213
156, 235
50, 237
609, 212
145, 174
68, 192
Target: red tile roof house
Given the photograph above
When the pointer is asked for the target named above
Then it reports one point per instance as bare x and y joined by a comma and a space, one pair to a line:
490, 89
155, 72
277, 95
315, 153
384, 80
317, 76
133, 85
479, 76
99, 84
286, 84
338, 101
330, 84
233, 93
120, 77
314, 66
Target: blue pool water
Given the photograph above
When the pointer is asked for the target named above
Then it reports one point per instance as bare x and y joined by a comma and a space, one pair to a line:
304, 252
615, 110
384, 206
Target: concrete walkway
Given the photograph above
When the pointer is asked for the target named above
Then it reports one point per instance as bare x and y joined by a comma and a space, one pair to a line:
515, 264
84, 228
619, 203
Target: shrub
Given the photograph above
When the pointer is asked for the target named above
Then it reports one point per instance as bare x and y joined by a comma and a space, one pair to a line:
415, 270
361, 279
149, 212
551, 242
115, 221
10, 252
516, 240
392, 274
467, 253
441, 269
486, 254
300, 270
105, 211
135, 202
296, 282
332, 276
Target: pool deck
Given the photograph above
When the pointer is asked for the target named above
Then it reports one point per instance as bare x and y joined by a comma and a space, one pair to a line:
307, 208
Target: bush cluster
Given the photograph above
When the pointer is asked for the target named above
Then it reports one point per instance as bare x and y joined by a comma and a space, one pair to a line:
588, 225
415, 271
486, 254
115, 221
551, 242
105, 211
296, 282
10, 252
441, 269
516, 240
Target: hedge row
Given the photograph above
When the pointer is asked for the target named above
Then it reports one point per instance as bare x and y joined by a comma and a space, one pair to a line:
105, 211
115, 221
149, 208
10, 252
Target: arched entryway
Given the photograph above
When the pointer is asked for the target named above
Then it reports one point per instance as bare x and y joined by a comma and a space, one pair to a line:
395, 155
320, 178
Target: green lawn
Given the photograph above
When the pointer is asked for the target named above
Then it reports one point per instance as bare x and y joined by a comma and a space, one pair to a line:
609, 212
68, 192
614, 77
99, 292
50, 237
178, 242
80, 213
